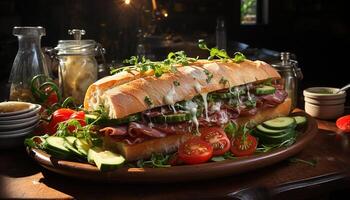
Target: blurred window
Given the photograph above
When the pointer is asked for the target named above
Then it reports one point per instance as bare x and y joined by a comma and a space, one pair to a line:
248, 12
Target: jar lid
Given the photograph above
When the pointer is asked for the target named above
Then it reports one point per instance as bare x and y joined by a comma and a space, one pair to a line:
76, 47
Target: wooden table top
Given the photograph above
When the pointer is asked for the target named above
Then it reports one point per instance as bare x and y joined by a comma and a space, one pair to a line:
21, 177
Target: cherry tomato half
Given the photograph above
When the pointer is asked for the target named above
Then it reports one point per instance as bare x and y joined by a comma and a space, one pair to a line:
195, 151
243, 146
217, 138
343, 123
58, 116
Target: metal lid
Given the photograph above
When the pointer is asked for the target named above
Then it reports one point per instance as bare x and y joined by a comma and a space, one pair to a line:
76, 46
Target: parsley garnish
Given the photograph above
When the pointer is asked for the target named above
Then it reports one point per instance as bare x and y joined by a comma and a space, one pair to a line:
148, 101
223, 81
209, 75
220, 54
168, 65
156, 161
176, 83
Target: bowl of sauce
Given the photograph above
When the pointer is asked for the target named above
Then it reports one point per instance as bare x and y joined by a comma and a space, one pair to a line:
324, 102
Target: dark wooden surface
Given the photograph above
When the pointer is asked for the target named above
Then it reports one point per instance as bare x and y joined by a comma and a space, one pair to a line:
21, 177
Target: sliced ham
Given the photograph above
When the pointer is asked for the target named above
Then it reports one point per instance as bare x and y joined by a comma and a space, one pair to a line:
114, 131
137, 129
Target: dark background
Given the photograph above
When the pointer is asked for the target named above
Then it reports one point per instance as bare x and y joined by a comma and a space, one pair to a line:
317, 32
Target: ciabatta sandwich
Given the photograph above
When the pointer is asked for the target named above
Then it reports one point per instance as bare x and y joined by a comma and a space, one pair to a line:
156, 114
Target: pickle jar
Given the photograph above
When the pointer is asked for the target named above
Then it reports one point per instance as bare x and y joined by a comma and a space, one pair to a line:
78, 67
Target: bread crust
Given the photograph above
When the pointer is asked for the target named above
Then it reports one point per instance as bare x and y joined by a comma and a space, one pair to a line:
124, 93
171, 143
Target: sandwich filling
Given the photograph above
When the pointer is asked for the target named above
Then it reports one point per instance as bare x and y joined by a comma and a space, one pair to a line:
206, 109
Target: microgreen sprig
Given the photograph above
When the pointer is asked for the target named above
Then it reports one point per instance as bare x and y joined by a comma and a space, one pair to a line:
220, 53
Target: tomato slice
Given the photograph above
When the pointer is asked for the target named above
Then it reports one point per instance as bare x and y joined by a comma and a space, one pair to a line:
217, 138
243, 146
195, 151
58, 116
343, 123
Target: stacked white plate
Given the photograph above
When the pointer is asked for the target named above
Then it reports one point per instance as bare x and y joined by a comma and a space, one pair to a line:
17, 120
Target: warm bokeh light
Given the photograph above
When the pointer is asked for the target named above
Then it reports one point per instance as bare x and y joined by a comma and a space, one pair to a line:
127, 2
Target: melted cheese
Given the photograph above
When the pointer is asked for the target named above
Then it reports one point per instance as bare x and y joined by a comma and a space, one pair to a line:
205, 102
216, 107
169, 98
192, 108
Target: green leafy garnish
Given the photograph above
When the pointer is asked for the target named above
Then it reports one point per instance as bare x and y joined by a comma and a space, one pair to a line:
143, 65
250, 103
220, 53
176, 83
209, 75
156, 161
227, 155
230, 129
148, 101
223, 81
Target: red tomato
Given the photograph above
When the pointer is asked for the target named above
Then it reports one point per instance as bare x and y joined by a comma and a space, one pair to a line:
195, 151
343, 123
217, 138
243, 147
80, 116
58, 116
52, 98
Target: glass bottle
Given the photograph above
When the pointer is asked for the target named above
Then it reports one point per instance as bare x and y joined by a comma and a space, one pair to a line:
78, 67
29, 62
221, 33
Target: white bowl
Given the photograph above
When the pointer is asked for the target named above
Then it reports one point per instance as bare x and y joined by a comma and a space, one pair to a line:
18, 131
317, 101
18, 121
324, 111
19, 126
324, 93
31, 113
9, 108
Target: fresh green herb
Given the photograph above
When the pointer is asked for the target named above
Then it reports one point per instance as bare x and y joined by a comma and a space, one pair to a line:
156, 161
238, 57
148, 101
36, 141
268, 82
168, 65
220, 53
209, 75
223, 81
227, 155
311, 162
230, 129
250, 103
266, 148
176, 83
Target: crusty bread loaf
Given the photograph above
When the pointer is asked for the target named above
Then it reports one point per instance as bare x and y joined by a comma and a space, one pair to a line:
124, 93
171, 143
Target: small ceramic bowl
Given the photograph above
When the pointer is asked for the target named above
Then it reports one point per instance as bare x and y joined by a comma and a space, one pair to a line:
324, 102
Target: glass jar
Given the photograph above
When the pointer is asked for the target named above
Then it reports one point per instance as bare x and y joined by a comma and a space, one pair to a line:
78, 68
291, 75
28, 63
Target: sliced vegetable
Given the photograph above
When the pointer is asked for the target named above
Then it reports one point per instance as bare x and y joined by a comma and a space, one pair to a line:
217, 138
244, 145
82, 146
266, 89
343, 123
195, 151
71, 148
268, 131
280, 123
172, 118
58, 116
91, 118
105, 160
300, 120
56, 145
283, 136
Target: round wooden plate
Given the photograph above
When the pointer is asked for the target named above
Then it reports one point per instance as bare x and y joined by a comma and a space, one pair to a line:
178, 173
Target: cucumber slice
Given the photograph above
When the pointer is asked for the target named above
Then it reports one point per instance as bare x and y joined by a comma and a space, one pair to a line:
105, 160
266, 89
172, 118
82, 146
268, 131
67, 143
90, 118
56, 144
57, 154
92, 153
300, 120
280, 123
274, 139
